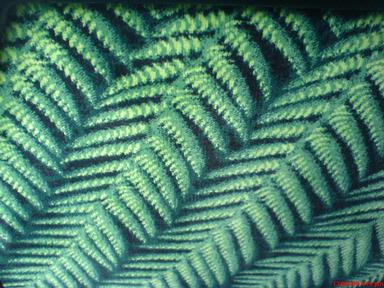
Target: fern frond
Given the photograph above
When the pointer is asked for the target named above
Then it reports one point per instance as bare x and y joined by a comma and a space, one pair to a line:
328, 152
146, 75
374, 71
133, 130
14, 158
314, 91
284, 131
247, 182
152, 164
172, 47
301, 111
76, 263
100, 170
240, 41
32, 124
175, 126
210, 91
230, 75
64, 62
10, 220
190, 147
152, 91
331, 239
134, 112
132, 18
370, 273
343, 123
192, 24
149, 192
333, 69
101, 28
166, 11
306, 166
255, 152
256, 167
139, 207
106, 150
356, 43
305, 29
371, 20
78, 41
12, 202
28, 143
210, 261
289, 181
127, 218
369, 112
23, 196
160, 143
274, 33
341, 26
273, 199
44, 105
49, 81
194, 111
160, 12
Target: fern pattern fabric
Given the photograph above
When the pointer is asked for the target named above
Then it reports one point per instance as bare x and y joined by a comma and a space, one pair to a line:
191, 146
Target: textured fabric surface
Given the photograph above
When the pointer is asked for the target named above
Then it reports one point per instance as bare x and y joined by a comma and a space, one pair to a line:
191, 146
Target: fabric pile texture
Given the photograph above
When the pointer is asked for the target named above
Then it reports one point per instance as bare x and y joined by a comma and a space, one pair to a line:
191, 146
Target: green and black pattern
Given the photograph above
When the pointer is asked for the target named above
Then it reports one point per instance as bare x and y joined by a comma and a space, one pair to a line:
191, 146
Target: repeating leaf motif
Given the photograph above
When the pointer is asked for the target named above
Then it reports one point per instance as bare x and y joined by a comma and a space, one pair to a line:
190, 146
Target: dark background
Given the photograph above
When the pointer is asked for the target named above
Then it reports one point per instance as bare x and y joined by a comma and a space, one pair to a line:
6, 5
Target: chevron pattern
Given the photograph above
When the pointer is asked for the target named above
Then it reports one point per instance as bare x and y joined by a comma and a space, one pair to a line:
191, 146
